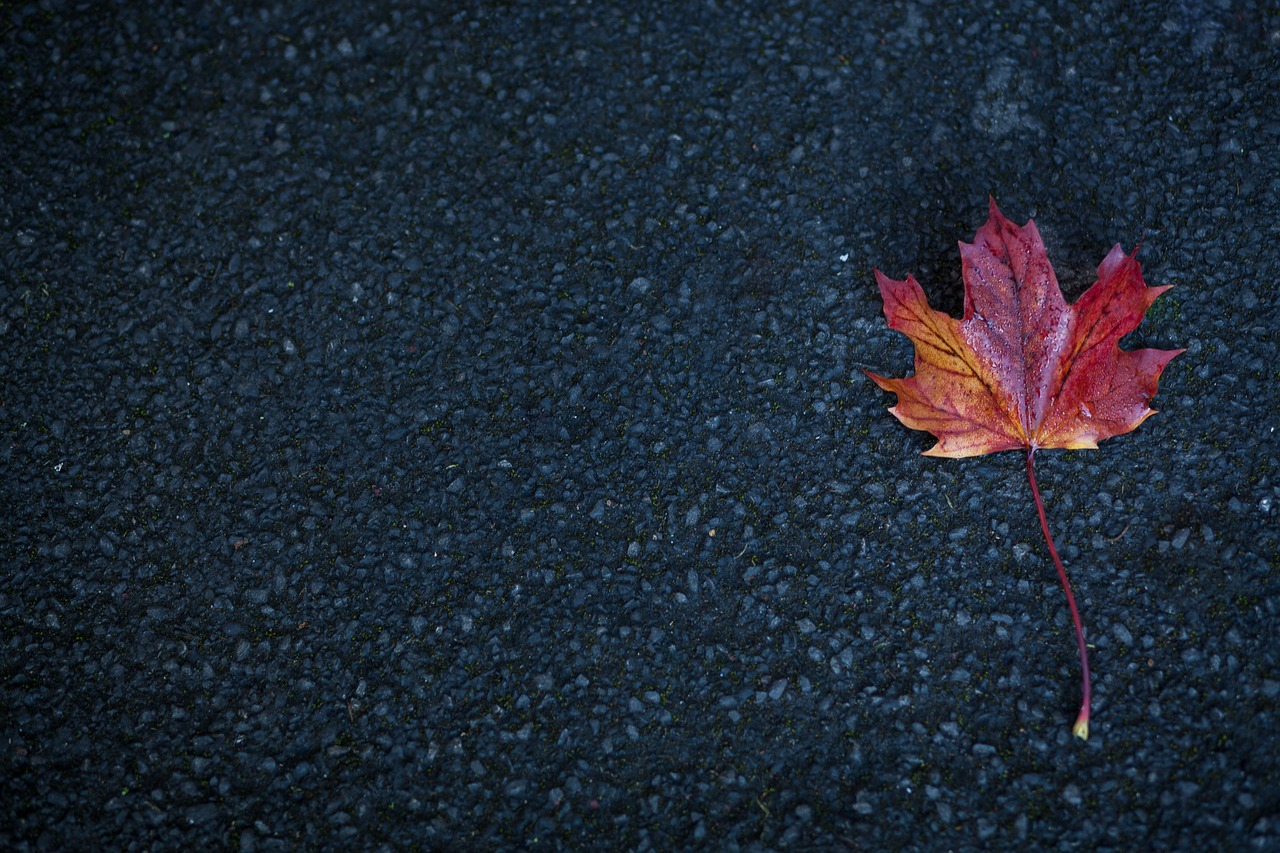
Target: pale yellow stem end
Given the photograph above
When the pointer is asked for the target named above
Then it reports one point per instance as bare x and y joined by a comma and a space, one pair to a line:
1081, 728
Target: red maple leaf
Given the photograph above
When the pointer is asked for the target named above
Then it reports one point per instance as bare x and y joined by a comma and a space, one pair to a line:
1022, 369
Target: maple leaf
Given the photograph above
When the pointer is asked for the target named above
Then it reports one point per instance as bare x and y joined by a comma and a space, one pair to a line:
1022, 369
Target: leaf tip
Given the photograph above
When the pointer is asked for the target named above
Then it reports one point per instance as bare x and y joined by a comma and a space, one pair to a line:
1081, 728
878, 379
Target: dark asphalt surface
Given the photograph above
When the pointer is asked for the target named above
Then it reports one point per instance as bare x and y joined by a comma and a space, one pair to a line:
446, 430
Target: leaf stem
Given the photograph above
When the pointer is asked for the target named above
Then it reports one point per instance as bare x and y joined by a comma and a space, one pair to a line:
1081, 728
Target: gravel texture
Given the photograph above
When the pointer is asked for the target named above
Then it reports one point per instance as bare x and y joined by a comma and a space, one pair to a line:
445, 430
